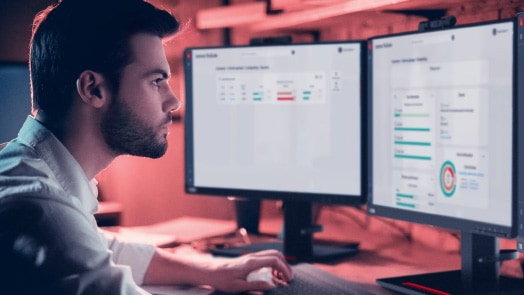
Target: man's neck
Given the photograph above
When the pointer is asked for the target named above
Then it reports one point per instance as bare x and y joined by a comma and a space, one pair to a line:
85, 144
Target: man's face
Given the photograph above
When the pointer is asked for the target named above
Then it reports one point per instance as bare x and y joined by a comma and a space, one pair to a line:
137, 121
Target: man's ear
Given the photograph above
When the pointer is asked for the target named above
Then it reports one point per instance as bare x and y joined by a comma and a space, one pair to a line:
92, 88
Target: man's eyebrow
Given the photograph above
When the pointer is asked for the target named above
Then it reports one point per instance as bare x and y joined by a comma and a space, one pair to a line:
164, 74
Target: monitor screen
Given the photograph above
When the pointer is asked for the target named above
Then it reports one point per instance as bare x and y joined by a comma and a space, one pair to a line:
277, 122
281, 122
443, 132
15, 98
443, 127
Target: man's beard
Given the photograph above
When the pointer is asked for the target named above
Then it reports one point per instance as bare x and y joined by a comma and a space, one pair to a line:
125, 133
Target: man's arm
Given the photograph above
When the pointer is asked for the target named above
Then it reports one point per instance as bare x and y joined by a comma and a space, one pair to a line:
49, 245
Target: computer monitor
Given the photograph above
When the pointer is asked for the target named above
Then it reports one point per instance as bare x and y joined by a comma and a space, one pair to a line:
520, 79
443, 137
281, 122
15, 98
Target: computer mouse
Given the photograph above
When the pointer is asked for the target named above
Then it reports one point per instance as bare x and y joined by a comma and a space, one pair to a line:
261, 274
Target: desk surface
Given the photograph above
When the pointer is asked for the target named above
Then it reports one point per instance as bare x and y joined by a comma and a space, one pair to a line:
386, 249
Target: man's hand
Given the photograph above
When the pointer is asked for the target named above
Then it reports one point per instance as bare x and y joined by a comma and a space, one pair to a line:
231, 276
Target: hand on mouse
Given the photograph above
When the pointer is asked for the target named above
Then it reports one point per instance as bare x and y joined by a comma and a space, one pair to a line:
262, 274
252, 272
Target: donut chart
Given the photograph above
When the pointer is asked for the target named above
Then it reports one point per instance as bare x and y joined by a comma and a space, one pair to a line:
448, 179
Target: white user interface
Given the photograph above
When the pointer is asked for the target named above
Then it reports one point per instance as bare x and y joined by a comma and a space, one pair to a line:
442, 122
278, 118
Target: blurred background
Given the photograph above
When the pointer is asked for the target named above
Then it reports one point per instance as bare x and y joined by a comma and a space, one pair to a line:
151, 191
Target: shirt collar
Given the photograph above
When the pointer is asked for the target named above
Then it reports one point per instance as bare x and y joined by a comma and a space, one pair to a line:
66, 169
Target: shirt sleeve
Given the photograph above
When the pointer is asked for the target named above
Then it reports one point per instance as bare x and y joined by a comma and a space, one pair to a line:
135, 255
57, 251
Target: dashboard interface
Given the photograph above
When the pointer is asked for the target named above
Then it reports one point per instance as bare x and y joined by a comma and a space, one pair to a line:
442, 107
276, 118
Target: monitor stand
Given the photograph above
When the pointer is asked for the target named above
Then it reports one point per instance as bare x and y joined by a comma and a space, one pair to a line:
297, 245
480, 257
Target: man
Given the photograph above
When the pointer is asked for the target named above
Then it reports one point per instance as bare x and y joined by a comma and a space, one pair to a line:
99, 79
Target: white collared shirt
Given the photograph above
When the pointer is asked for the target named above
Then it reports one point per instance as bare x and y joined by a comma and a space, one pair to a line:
46, 219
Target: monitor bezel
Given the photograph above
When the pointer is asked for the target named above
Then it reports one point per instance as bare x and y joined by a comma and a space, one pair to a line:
333, 199
442, 221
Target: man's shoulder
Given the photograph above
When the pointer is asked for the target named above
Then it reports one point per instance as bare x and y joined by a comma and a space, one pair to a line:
14, 153
23, 172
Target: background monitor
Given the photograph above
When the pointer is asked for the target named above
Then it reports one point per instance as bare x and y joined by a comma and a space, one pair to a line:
281, 122
443, 136
520, 91
15, 98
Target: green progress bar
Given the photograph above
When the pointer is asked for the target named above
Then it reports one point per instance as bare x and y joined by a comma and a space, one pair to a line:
412, 129
412, 115
306, 92
405, 205
405, 196
413, 157
413, 143
305, 97
257, 98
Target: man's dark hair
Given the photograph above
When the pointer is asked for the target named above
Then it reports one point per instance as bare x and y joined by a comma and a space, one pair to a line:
77, 35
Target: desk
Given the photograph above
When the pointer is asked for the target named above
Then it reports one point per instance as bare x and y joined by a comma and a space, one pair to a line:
390, 248
384, 250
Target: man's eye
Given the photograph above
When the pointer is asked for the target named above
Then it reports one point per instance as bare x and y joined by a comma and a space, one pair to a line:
156, 82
